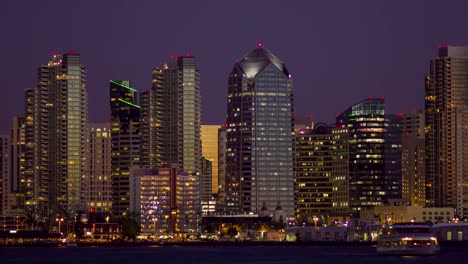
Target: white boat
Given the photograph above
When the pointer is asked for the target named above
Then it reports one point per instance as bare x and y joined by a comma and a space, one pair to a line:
407, 239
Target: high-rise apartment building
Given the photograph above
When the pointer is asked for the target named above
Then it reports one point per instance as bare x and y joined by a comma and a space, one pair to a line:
259, 158
171, 116
125, 129
97, 180
17, 153
5, 181
412, 158
56, 117
209, 139
313, 173
446, 121
374, 140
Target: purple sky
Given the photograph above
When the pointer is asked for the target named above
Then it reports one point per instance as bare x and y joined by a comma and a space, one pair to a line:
338, 52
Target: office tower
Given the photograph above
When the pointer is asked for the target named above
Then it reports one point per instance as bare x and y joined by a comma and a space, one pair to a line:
166, 201
412, 158
374, 149
340, 173
125, 125
209, 139
171, 116
222, 164
56, 118
446, 122
259, 135
313, 173
97, 183
5, 182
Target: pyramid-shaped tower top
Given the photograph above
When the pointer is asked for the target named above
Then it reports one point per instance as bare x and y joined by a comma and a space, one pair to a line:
256, 60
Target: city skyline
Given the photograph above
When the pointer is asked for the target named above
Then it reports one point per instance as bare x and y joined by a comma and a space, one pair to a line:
331, 40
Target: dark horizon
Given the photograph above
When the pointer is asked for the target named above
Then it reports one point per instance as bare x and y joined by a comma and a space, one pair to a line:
337, 52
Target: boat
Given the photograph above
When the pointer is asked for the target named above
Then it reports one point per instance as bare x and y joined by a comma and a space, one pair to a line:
407, 239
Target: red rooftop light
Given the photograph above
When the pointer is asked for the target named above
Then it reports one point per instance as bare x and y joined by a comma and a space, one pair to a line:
259, 44
71, 52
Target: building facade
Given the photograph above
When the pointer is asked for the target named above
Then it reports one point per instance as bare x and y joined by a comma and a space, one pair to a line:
374, 140
313, 173
446, 121
166, 201
98, 185
259, 133
125, 129
413, 157
209, 139
171, 117
56, 117
5, 181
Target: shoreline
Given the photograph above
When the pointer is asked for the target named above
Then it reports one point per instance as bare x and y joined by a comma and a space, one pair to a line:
213, 244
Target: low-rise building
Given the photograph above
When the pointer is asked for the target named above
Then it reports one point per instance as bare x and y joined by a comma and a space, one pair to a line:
451, 231
403, 213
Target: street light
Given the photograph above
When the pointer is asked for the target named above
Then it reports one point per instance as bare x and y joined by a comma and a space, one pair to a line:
59, 220
315, 220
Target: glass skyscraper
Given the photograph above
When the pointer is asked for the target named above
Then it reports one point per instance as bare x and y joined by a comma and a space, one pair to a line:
171, 113
260, 125
125, 125
374, 153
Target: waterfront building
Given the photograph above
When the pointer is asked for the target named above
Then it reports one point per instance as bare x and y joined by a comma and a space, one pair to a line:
125, 125
391, 214
374, 149
165, 200
446, 121
412, 158
259, 135
98, 185
56, 115
313, 164
171, 114
209, 139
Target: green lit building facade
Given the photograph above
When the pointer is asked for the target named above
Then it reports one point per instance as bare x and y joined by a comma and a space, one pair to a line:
374, 154
125, 125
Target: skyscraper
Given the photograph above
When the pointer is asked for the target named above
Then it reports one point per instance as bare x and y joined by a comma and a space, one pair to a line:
97, 184
56, 118
374, 151
171, 116
209, 139
19, 185
259, 135
412, 158
446, 118
313, 173
125, 125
